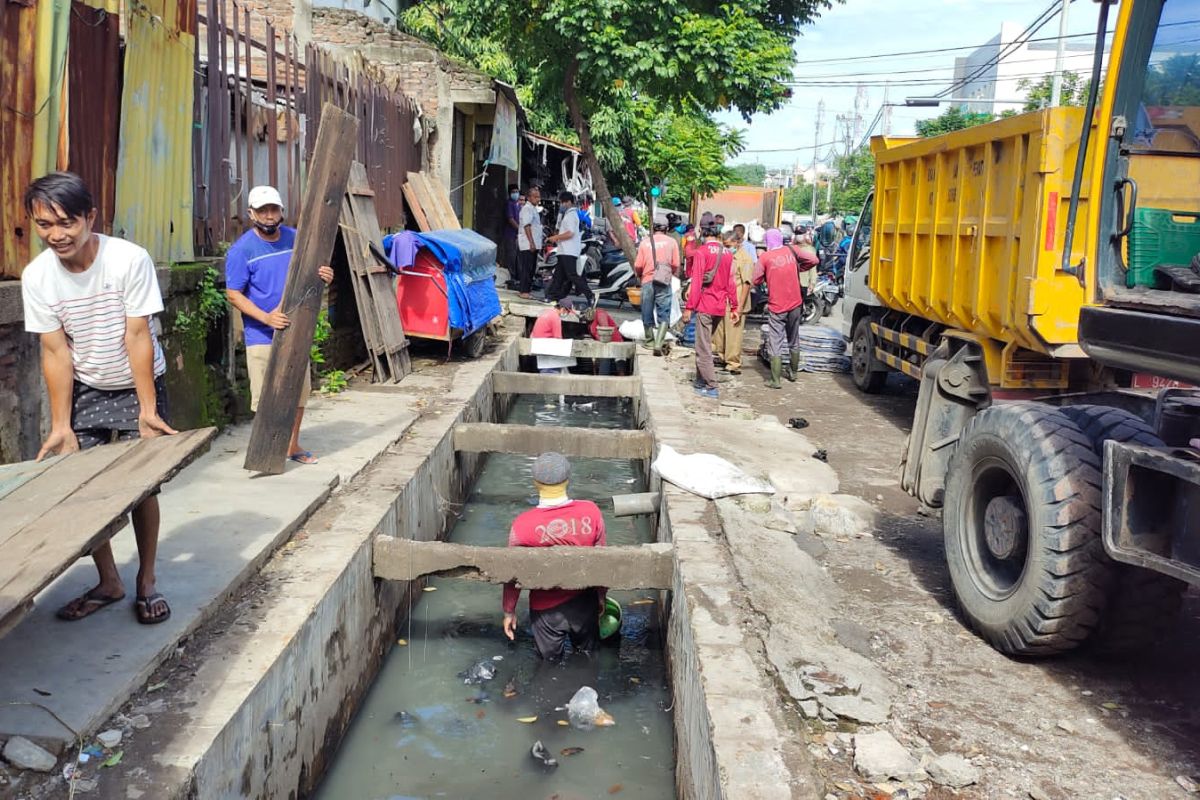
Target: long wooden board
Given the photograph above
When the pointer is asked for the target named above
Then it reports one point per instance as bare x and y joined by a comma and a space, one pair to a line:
414, 205
41, 544
648, 566
373, 287
586, 385
533, 440
315, 232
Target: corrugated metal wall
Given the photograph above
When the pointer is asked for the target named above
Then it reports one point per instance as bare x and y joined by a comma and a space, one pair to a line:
154, 158
93, 102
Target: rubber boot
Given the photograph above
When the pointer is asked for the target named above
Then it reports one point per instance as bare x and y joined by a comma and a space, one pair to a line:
660, 336
776, 369
793, 367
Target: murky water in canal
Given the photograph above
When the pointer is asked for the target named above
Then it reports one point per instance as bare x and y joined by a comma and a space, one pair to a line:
423, 733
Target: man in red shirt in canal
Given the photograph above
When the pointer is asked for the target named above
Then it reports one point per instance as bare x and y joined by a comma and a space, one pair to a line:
557, 614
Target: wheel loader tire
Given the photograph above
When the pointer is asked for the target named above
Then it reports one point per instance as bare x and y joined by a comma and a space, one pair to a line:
1021, 523
1143, 604
862, 360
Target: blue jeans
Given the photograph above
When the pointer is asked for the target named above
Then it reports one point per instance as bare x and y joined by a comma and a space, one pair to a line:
655, 298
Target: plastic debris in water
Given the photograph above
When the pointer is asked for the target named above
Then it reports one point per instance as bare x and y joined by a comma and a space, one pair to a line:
497, 658
479, 672
510, 689
540, 752
570, 751
527, 720
404, 718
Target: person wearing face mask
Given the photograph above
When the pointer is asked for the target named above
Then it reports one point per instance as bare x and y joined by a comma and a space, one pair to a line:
512, 226
256, 269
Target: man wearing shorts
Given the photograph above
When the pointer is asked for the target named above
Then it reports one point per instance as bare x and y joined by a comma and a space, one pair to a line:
91, 299
256, 270
557, 615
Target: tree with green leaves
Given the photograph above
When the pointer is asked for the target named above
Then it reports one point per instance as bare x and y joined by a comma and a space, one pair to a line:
691, 57
854, 179
1074, 90
749, 174
952, 119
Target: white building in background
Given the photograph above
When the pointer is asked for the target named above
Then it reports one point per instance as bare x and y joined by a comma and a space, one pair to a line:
979, 75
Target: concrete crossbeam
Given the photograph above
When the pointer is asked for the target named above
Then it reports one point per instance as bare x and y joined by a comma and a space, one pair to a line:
648, 566
586, 385
533, 440
586, 348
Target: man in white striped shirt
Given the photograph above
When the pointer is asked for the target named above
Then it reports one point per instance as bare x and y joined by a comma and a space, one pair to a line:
91, 299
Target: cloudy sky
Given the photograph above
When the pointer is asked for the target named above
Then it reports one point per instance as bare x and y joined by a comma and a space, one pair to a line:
872, 27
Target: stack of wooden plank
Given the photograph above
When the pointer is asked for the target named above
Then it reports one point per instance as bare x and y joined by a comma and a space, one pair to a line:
429, 203
372, 281
54, 512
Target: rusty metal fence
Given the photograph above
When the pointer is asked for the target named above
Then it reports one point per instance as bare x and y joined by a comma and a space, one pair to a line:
248, 106
388, 143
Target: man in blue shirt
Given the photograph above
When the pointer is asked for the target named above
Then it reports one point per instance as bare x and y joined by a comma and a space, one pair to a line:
256, 270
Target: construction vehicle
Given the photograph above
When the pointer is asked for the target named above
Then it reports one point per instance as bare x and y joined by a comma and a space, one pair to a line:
1038, 276
744, 204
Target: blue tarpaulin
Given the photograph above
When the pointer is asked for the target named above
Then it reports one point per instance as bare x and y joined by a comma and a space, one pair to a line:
469, 265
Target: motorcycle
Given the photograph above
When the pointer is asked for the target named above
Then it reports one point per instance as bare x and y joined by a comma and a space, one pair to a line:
820, 299
614, 274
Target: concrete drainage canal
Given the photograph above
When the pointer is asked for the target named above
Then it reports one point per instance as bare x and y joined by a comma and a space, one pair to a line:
456, 708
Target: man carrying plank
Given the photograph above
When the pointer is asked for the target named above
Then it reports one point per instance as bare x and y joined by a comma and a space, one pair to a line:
90, 298
256, 269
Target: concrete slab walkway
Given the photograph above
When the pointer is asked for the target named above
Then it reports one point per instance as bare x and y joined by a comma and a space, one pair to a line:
219, 523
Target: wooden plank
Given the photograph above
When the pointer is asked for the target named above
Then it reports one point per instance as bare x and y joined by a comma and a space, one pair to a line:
316, 229
14, 476
383, 291
648, 566
91, 513
533, 440
433, 211
28, 502
586, 348
414, 205
441, 198
362, 299
586, 385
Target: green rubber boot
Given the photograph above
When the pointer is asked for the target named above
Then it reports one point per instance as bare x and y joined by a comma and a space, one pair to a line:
793, 367
776, 369
660, 336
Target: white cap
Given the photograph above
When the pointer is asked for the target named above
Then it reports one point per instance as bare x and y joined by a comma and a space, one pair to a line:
264, 196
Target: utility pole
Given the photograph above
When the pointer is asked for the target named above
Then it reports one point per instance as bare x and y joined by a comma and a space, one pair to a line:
887, 111
816, 148
1056, 85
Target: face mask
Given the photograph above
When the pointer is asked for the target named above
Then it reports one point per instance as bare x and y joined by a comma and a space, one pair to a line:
515, 196
268, 230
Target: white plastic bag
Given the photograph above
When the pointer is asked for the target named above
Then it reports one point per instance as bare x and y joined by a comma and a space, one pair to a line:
584, 710
706, 474
633, 330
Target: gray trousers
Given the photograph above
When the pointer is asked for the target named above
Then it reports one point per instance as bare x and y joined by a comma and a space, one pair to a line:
783, 332
578, 619
704, 354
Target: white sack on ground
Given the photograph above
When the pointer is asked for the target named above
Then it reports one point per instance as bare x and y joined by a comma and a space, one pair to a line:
706, 475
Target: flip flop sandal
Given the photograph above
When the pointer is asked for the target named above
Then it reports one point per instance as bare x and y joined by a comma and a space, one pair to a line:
303, 457
84, 606
142, 605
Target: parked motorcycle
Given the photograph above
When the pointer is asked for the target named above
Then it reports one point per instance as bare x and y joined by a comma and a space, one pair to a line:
819, 301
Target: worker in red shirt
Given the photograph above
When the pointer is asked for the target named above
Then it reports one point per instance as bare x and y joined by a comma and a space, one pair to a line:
557, 614
780, 269
712, 295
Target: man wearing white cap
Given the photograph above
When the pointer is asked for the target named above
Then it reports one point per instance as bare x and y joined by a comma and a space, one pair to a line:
256, 270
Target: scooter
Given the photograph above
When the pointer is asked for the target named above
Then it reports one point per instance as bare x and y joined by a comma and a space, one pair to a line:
820, 299
613, 276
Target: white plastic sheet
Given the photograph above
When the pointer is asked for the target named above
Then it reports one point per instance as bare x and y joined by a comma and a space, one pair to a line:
706, 475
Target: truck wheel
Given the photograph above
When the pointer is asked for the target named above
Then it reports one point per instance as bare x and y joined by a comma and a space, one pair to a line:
862, 359
1144, 604
1021, 523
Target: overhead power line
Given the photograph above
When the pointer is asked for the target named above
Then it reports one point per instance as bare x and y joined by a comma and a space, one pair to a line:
1050, 13
940, 50
910, 82
794, 149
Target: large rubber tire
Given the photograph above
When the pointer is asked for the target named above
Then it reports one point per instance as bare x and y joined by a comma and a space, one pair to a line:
1042, 589
862, 359
1143, 604
810, 312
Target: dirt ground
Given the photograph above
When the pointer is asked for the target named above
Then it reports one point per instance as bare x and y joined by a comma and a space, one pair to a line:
1071, 727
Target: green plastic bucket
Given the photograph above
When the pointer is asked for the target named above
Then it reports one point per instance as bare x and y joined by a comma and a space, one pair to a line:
610, 620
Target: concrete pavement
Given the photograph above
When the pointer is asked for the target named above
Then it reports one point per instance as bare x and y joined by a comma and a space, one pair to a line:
219, 523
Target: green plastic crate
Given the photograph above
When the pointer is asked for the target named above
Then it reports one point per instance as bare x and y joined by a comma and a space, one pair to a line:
1161, 237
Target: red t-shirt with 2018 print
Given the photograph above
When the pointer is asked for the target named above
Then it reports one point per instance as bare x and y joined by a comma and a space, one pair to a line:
577, 523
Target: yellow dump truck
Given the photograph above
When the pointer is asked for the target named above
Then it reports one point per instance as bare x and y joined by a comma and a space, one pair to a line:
1040, 277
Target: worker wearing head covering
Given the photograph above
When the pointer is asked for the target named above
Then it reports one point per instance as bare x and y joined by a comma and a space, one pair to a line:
780, 269
727, 338
556, 615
